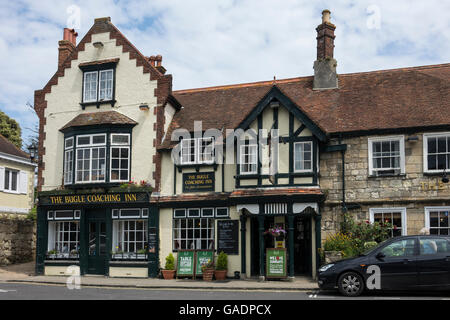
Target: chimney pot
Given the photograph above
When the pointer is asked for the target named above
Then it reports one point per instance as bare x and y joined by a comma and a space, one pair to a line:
326, 16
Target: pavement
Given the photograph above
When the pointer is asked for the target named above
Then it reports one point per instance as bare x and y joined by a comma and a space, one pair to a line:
24, 273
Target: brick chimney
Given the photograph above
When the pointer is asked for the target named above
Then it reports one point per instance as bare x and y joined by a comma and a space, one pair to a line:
325, 76
67, 45
156, 62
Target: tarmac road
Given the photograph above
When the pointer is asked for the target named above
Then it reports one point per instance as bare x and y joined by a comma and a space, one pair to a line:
24, 291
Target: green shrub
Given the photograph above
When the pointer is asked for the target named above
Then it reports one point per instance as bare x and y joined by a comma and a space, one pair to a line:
170, 262
369, 245
339, 242
222, 261
32, 214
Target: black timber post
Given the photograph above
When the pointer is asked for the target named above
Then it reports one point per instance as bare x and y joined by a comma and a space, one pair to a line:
84, 245
41, 240
318, 221
261, 246
290, 219
109, 231
153, 225
243, 219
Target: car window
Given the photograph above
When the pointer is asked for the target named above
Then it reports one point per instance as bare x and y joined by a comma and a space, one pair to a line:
400, 248
432, 246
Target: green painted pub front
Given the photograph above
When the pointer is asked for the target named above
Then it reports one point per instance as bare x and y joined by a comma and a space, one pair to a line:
112, 234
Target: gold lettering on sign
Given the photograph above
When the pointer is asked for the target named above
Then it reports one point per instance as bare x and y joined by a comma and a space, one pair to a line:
130, 197
432, 186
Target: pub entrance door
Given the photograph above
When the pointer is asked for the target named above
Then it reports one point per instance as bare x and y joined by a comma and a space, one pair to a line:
302, 246
97, 257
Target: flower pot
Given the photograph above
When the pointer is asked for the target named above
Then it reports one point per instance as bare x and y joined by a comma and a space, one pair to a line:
208, 274
332, 256
220, 274
168, 274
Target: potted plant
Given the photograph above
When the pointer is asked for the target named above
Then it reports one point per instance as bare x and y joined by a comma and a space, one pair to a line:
169, 269
208, 270
52, 254
222, 266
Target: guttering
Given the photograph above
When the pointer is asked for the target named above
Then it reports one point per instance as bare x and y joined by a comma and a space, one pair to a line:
20, 160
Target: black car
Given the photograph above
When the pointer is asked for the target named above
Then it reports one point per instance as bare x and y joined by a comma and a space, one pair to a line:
400, 263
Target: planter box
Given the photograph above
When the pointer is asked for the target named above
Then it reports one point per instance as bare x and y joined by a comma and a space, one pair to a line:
220, 274
208, 274
168, 274
332, 256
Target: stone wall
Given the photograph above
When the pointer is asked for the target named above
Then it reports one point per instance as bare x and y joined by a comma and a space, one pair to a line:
17, 239
413, 190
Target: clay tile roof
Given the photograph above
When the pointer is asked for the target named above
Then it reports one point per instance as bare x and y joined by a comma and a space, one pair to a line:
387, 99
194, 197
275, 192
9, 148
96, 118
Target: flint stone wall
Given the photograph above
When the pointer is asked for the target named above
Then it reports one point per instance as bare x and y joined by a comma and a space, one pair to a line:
17, 239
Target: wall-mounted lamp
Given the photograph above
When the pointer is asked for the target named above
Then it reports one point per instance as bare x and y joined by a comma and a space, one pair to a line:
412, 139
444, 177
144, 107
98, 44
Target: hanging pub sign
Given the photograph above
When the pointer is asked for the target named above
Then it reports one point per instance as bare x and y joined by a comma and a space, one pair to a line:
202, 258
227, 236
276, 263
185, 263
198, 181
94, 198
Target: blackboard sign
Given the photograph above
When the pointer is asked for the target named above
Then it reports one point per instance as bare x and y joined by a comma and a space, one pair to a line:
198, 181
227, 236
202, 257
152, 240
185, 263
276, 263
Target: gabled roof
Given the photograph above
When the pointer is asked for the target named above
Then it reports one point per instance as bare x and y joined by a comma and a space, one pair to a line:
99, 118
394, 99
9, 148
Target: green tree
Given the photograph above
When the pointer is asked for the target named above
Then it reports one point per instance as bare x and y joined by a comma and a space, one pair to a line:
10, 129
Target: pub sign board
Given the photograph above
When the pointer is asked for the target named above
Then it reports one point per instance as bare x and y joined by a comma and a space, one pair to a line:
227, 236
185, 263
202, 258
198, 181
276, 266
93, 198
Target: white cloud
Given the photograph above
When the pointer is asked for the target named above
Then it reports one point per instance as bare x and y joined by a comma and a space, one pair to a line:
206, 43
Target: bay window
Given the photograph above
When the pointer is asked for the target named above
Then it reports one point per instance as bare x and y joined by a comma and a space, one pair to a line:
97, 158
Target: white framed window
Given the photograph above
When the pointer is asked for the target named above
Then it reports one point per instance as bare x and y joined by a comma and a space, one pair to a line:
63, 237
436, 220
105, 90
436, 152
394, 216
11, 180
386, 155
193, 213
120, 163
90, 158
188, 147
197, 151
248, 159
222, 212
129, 236
118, 139
303, 156
98, 85
205, 150
90, 86
68, 160
193, 233
179, 213
207, 212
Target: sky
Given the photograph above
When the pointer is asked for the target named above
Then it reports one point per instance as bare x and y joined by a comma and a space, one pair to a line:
217, 42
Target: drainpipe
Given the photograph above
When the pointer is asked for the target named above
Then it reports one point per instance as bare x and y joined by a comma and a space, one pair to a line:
344, 206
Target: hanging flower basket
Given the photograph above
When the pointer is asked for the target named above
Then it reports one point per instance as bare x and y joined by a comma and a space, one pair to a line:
276, 232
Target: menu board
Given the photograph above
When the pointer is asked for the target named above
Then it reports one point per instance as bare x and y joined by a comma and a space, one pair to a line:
227, 236
152, 239
276, 263
185, 263
202, 257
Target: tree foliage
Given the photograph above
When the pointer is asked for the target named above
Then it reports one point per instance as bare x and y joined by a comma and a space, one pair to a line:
10, 129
